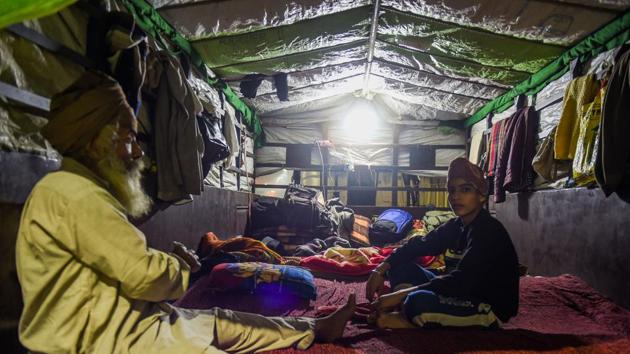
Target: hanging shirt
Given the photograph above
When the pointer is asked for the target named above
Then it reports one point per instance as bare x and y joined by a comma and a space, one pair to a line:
579, 93
497, 137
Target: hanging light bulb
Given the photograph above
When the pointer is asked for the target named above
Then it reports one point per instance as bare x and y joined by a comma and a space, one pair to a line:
361, 119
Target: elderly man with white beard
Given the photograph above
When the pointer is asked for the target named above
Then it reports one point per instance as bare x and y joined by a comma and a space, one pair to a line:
90, 282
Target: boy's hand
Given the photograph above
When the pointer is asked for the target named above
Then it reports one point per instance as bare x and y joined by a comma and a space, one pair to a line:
391, 300
375, 284
376, 281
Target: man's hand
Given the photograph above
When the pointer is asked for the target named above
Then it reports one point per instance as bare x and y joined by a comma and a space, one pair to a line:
187, 255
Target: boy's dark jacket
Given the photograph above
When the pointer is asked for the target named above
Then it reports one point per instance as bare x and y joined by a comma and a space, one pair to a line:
488, 270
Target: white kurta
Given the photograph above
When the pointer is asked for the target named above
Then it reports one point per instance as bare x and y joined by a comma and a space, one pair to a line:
91, 285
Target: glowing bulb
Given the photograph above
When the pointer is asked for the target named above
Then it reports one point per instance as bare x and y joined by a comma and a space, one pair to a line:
361, 119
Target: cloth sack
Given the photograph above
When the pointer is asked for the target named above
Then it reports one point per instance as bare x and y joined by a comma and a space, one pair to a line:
544, 162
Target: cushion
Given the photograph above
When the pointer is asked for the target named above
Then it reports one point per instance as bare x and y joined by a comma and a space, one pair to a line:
264, 279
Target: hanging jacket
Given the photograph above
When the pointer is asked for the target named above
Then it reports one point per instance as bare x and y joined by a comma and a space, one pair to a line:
514, 170
579, 93
178, 142
612, 166
588, 142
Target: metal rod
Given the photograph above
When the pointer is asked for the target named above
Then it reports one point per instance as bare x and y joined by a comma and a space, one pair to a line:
49, 44
371, 43
25, 97
373, 168
360, 188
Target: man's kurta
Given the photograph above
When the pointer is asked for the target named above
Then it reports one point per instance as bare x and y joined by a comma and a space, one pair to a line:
91, 285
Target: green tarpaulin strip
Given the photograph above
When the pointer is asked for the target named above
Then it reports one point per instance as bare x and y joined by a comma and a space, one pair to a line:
323, 31
153, 23
490, 49
608, 37
14, 11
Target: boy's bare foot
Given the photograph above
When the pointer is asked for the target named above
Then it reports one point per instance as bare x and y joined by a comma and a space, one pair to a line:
331, 327
393, 320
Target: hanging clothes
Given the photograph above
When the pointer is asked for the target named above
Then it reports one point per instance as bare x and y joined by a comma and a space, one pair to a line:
119, 48
544, 163
612, 167
579, 93
514, 170
588, 142
475, 148
215, 146
497, 137
231, 136
484, 150
209, 97
250, 83
178, 141
282, 86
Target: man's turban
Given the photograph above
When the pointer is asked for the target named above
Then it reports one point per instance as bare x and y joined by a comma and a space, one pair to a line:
469, 172
80, 112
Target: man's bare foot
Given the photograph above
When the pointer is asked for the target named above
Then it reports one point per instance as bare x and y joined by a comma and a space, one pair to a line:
331, 327
393, 320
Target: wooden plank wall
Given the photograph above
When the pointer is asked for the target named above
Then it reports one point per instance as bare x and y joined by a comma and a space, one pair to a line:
221, 211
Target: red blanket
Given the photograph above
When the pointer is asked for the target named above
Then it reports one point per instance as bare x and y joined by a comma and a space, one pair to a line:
557, 314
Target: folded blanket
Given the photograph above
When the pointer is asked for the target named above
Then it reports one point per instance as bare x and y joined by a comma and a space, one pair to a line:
263, 279
318, 245
353, 261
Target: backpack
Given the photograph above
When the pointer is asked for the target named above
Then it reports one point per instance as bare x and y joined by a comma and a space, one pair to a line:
304, 207
391, 226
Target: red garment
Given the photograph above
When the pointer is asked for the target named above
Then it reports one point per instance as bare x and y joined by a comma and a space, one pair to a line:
418, 224
211, 244
496, 141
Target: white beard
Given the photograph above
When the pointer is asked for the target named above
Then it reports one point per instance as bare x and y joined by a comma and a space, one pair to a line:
125, 183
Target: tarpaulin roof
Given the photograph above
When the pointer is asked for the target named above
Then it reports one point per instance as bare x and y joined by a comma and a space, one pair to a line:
418, 60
